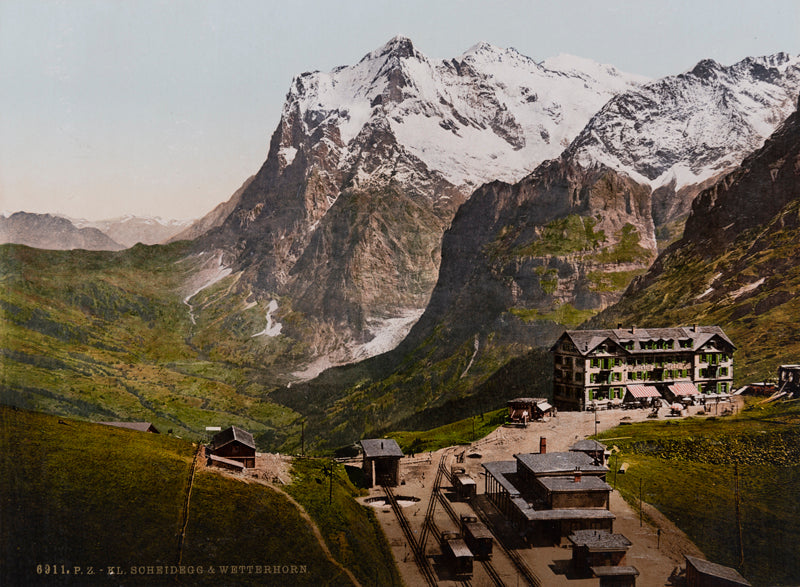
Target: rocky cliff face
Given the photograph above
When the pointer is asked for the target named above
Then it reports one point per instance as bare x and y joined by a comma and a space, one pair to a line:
371, 161
213, 219
568, 239
44, 231
550, 246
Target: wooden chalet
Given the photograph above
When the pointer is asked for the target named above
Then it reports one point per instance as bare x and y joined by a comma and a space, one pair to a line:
234, 444
140, 426
381, 461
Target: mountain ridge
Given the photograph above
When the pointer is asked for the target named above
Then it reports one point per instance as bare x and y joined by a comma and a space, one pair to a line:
45, 231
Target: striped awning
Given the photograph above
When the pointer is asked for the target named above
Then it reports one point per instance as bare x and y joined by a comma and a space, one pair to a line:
640, 391
684, 388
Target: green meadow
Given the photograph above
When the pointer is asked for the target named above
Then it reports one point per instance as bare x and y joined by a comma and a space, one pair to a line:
688, 468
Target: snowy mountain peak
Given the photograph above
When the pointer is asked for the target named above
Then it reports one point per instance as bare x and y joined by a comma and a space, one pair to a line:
398, 46
491, 113
684, 130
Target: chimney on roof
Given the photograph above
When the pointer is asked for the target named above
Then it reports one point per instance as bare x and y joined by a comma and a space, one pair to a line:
542, 445
381, 445
694, 327
577, 478
619, 325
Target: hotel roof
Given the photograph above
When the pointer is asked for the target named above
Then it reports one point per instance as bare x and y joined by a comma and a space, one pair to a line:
587, 341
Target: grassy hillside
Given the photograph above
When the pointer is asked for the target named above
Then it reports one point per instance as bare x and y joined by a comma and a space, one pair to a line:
351, 530
87, 495
107, 336
687, 468
460, 432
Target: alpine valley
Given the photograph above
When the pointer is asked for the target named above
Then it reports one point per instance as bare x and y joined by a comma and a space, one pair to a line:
419, 234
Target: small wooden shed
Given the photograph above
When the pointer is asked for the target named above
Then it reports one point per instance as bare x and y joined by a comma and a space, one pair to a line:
789, 379
381, 461
621, 576
703, 573
235, 444
223, 463
594, 449
140, 426
597, 548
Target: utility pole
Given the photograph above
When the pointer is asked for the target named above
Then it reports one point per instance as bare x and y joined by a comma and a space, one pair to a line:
738, 513
640, 502
302, 438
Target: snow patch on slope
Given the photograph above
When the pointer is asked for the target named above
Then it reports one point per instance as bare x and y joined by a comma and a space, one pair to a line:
272, 328
387, 334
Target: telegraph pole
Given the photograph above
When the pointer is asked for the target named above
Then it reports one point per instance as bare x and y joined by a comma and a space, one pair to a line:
640, 502
738, 513
302, 438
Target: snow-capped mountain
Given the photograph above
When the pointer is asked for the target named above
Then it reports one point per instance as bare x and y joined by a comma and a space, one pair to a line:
370, 162
684, 130
488, 114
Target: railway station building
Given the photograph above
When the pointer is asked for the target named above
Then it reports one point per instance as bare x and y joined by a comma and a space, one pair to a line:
548, 496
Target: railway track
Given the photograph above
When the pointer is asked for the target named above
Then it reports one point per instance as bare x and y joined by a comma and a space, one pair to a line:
523, 568
428, 524
419, 552
486, 564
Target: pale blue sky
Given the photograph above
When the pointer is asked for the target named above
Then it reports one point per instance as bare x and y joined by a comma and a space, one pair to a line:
164, 107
